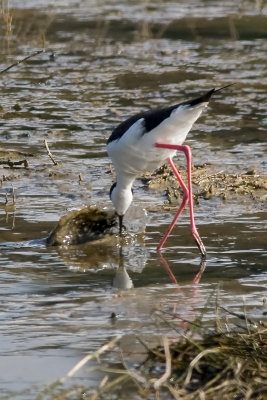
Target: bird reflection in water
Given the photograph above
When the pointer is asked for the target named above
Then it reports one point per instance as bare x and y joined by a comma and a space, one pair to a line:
84, 239
122, 280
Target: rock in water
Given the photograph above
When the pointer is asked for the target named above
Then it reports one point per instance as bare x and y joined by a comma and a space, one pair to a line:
84, 225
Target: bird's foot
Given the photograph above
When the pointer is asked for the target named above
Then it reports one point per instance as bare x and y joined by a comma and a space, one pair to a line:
121, 225
122, 229
199, 243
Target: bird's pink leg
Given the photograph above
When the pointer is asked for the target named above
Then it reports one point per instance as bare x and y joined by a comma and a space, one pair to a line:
182, 206
188, 196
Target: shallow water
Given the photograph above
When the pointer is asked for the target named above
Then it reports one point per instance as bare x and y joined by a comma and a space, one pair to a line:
106, 61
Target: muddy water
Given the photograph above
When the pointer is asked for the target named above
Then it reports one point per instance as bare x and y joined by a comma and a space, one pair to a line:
105, 61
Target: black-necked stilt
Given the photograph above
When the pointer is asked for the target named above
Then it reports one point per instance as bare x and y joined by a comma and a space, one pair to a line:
147, 140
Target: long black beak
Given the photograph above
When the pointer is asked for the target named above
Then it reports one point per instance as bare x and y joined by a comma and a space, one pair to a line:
224, 87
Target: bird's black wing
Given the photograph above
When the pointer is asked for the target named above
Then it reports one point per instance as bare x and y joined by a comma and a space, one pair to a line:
153, 118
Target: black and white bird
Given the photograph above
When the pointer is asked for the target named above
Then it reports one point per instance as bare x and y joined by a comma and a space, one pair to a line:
147, 140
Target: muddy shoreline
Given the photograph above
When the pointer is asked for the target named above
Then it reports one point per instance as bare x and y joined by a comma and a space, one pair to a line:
208, 182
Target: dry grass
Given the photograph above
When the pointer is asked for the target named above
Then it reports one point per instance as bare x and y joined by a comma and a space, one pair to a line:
6, 16
220, 363
225, 365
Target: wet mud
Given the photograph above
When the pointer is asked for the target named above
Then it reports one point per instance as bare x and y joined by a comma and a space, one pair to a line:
249, 186
207, 181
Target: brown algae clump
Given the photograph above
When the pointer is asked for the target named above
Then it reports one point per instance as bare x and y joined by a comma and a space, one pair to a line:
83, 225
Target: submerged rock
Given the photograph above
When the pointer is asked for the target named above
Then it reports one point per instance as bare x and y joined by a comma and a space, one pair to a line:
83, 225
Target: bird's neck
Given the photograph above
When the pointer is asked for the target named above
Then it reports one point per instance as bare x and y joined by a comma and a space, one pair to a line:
125, 182
122, 195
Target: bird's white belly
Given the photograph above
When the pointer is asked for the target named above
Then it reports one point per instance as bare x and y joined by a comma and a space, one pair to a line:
135, 151
138, 157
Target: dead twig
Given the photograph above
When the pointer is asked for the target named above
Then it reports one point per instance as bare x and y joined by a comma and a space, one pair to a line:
13, 196
194, 362
13, 199
168, 370
89, 357
239, 316
49, 153
22, 61
80, 178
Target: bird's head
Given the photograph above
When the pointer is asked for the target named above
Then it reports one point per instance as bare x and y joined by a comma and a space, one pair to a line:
121, 199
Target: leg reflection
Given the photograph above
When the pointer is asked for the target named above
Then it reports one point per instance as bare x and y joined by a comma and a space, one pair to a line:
197, 277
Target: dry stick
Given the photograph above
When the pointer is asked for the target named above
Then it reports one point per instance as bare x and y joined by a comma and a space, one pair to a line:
240, 316
13, 195
49, 153
22, 60
175, 392
109, 386
245, 315
195, 361
80, 178
136, 377
89, 357
13, 220
168, 370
